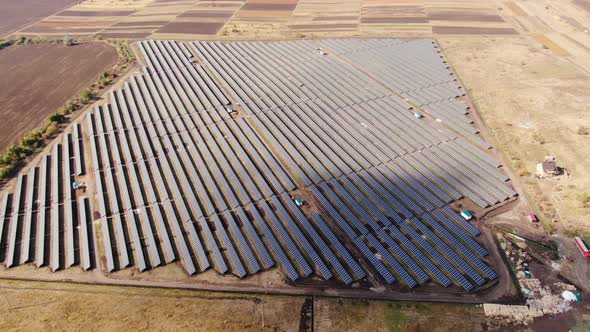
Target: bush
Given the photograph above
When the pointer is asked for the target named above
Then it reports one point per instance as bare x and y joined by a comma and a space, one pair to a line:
57, 118
68, 41
582, 130
12, 157
22, 40
5, 160
104, 79
6, 172
70, 108
51, 130
5, 43
125, 53
584, 198
32, 141
523, 172
87, 96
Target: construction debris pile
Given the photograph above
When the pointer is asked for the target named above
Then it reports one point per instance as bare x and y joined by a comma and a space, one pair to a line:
540, 299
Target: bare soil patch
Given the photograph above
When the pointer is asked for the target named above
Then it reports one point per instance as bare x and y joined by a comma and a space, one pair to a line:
192, 28
323, 26
472, 30
140, 24
42, 30
269, 6
207, 14
584, 4
86, 13
36, 80
217, 5
72, 24
394, 19
335, 18
465, 17
125, 35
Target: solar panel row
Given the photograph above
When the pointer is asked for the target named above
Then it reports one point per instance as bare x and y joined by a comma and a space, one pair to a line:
43, 212
196, 159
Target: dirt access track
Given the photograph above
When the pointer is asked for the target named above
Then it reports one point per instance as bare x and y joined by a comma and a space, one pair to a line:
38, 79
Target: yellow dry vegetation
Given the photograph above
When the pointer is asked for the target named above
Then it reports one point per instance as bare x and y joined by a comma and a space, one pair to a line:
550, 44
533, 103
37, 306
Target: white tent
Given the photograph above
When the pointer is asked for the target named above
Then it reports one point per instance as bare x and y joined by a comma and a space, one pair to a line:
571, 296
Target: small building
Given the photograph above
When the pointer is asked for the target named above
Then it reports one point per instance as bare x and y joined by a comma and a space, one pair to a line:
418, 115
466, 215
547, 169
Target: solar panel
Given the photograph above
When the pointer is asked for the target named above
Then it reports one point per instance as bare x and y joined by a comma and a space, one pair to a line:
84, 245
377, 264
15, 219
41, 212
277, 250
172, 164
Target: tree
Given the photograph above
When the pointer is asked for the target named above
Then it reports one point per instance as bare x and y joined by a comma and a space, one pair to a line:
68, 41
51, 130
32, 140
57, 118
70, 108
86, 96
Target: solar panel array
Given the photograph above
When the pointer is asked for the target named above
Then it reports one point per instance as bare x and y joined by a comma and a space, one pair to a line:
179, 176
43, 221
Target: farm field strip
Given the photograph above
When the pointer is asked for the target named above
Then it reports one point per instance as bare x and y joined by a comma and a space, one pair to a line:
185, 19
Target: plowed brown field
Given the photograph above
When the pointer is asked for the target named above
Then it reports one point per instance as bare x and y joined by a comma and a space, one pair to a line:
15, 15
37, 80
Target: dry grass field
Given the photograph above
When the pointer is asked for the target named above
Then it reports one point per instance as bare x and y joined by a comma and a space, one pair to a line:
57, 306
28, 306
533, 92
28, 97
534, 105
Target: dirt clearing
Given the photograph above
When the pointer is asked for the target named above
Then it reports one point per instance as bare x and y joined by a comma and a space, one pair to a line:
38, 79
